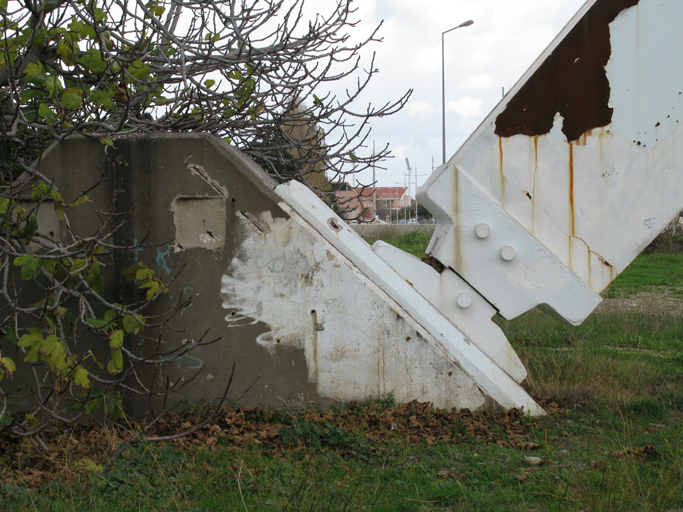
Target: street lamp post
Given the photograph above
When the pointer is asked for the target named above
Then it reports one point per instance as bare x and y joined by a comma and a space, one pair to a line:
443, 87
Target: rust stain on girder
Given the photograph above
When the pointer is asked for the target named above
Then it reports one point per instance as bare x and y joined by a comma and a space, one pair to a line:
502, 174
571, 189
572, 81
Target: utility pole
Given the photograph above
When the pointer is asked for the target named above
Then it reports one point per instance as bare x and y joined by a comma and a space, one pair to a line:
409, 176
443, 88
374, 185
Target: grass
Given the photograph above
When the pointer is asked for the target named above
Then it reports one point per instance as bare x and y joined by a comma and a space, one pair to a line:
613, 440
415, 242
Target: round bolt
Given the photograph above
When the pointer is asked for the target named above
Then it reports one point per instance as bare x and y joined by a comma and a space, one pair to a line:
508, 253
483, 230
464, 300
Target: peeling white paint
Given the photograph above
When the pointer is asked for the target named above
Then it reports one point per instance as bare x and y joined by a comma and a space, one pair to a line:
355, 345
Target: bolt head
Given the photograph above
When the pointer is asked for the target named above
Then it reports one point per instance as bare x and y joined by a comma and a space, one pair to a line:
464, 300
483, 230
508, 253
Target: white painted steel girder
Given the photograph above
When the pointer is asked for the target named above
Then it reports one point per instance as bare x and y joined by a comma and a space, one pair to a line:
576, 170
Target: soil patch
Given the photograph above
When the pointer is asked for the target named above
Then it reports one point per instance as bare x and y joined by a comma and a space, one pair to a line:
659, 301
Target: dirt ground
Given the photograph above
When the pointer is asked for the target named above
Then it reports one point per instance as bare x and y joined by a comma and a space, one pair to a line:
658, 301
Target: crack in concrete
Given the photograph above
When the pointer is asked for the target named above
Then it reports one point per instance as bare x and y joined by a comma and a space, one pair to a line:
199, 170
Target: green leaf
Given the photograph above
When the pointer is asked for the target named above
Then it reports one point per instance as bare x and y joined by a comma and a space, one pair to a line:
56, 196
107, 141
80, 200
7, 419
96, 323
81, 377
79, 264
97, 361
66, 54
103, 98
53, 351
30, 266
33, 353
131, 324
31, 227
51, 324
45, 112
50, 266
20, 261
29, 340
115, 364
34, 69
144, 273
39, 191
100, 15
12, 335
93, 61
4, 204
113, 408
71, 99
210, 83
116, 339
138, 69
94, 398
8, 365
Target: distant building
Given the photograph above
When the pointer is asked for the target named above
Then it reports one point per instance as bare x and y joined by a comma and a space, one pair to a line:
350, 206
388, 199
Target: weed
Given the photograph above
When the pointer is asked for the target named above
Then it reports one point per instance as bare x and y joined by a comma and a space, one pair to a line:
382, 402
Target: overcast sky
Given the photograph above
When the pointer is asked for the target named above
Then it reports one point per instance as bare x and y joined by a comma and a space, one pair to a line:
505, 39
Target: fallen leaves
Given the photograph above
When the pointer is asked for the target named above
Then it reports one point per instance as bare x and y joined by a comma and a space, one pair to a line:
86, 448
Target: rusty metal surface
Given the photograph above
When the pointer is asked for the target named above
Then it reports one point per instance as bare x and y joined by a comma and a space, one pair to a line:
572, 81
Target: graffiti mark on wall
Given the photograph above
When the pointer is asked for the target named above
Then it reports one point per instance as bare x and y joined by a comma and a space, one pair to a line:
162, 252
137, 249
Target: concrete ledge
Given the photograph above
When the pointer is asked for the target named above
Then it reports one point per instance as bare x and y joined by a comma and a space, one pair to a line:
379, 230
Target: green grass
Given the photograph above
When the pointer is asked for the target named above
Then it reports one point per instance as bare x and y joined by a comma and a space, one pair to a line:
414, 242
614, 443
648, 271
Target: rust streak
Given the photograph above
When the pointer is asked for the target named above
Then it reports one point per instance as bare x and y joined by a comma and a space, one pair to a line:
502, 175
572, 81
571, 187
571, 205
533, 190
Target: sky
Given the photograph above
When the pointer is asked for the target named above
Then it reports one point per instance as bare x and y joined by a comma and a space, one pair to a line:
506, 38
